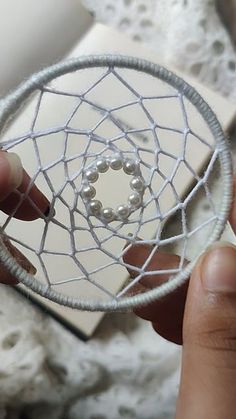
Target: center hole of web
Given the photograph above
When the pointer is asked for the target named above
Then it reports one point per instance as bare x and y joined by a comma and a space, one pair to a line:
113, 188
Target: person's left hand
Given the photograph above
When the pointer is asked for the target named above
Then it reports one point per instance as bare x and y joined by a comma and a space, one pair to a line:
14, 178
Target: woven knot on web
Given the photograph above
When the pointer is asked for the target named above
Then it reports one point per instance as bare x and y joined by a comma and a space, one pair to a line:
78, 112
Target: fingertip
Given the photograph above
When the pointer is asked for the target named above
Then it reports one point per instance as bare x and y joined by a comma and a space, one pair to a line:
171, 332
136, 254
11, 173
16, 169
33, 206
218, 268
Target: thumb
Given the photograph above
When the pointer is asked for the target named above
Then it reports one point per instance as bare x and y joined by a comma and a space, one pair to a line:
208, 378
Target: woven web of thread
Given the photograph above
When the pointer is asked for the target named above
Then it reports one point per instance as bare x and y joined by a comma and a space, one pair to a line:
131, 230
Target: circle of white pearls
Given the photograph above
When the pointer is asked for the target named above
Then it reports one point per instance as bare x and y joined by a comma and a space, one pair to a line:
137, 184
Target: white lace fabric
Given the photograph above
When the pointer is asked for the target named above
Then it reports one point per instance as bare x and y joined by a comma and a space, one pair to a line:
186, 34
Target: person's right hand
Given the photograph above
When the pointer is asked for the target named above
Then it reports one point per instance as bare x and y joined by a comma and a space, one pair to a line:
200, 315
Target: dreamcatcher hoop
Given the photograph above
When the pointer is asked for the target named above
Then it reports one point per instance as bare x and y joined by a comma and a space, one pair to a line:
11, 104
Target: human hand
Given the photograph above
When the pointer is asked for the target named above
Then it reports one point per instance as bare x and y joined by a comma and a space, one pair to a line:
13, 177
201, 315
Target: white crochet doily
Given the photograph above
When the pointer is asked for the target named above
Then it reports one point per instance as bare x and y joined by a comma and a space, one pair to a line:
186, 33
126, 371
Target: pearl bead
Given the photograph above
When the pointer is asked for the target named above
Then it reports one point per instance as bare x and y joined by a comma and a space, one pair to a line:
95, 206
102, 165
92, 175
137, 184
135, 200
116, 163
88, 192
123, 211
108, 214
130, 167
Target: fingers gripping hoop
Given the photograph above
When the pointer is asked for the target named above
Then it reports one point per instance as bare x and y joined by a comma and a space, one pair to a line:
120, 152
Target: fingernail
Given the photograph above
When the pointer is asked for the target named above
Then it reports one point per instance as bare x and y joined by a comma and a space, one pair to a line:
218, 268
16, 169
50, 211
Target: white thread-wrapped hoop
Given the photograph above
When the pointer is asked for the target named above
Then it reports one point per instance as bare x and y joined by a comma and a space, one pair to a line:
11, 104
